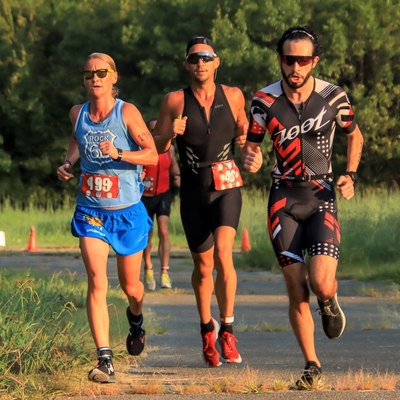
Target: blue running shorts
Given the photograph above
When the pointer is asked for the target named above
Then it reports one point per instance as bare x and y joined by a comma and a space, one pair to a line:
125, 230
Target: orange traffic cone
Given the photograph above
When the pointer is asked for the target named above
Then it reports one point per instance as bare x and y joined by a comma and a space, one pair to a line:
245, 241
32, 240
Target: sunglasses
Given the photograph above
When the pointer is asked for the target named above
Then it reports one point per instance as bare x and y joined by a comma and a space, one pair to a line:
101, 73
301, 60
204, 56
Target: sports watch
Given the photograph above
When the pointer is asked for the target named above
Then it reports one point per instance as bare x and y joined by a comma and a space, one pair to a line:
353, 175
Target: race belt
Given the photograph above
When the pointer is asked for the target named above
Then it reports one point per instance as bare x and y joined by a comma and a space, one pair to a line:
302, 178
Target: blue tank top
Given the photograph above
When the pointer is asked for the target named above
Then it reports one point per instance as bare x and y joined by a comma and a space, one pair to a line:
103, 181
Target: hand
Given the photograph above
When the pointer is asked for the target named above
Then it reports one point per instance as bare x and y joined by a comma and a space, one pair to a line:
240, 141
178, 127
345, 186
177, 180
63, 172
253, 159
107, 148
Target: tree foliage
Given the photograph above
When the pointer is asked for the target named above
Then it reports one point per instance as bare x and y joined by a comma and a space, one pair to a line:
43, 45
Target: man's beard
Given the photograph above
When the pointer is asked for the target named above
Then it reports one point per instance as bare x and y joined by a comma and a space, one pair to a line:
296, 85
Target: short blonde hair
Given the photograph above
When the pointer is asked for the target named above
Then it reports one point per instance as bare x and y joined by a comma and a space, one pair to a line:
109, 60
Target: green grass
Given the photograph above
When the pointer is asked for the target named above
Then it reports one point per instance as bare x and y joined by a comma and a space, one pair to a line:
44, 332
369, 222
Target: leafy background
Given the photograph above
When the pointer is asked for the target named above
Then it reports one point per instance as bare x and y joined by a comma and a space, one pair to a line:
43, 45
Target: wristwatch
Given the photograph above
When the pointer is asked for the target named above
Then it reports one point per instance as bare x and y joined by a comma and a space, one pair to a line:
353, 175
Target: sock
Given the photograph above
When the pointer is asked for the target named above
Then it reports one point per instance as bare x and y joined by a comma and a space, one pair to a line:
205, 328
135, 319
165, 269
226, 328
104, 351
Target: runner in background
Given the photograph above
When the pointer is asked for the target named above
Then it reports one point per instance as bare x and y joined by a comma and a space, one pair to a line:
157, 198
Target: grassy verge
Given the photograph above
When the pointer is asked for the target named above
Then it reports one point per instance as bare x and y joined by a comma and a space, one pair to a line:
369, 229
44, 335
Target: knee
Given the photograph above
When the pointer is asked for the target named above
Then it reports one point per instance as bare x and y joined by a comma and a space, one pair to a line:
223, 259
97, 284
163, 232
299, 295
134, 290
324, 290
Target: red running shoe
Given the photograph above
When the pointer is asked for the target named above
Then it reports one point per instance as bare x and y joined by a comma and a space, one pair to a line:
210, 352
229, 353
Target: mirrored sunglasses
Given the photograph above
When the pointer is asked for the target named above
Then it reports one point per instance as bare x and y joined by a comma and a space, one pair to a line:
204, 56
301, 60
101, 73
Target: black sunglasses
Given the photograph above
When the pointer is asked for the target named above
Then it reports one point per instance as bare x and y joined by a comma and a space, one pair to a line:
205, 56
301, 60
101, 73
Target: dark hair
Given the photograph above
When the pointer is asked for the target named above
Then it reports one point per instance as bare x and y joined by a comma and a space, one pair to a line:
299, 33
200, 39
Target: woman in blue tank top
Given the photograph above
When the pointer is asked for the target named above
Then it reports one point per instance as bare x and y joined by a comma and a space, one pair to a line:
113, 143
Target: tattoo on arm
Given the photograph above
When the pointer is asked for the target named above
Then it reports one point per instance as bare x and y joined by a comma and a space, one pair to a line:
144, 136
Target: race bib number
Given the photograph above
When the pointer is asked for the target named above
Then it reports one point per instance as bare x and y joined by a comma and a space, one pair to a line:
226, 175
101, 186
148, 185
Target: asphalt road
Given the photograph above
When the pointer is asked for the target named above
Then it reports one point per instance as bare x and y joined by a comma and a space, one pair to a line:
370, 344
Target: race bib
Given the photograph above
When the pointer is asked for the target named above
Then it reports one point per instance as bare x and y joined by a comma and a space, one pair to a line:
101, 186
148, 185
226, 175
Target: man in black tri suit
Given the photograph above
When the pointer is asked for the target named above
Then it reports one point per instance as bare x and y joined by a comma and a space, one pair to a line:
207, 119
300, 113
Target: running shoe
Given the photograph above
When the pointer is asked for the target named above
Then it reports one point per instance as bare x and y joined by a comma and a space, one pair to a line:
165, 281
229, 353
333, 318
149, 279
311, 377
103, 372
136, 338
210, 352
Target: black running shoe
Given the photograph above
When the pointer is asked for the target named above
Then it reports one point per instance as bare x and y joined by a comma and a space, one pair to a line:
333, 318
311, 377
137, 336
103, 372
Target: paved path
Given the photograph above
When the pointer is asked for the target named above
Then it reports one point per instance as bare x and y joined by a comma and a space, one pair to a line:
370, 342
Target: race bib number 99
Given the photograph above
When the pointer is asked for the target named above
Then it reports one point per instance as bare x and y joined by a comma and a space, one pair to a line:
226, 175
101, 186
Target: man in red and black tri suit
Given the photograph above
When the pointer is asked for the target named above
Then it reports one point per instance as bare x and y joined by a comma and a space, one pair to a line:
301, 113
157, 198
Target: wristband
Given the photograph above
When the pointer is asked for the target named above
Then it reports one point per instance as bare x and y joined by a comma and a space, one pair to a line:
353, 175
120, 154
69, 162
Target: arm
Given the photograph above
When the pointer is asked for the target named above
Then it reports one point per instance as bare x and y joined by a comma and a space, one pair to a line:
147, 155
174, 168
355, 142
72, 156
237, 103
168, 124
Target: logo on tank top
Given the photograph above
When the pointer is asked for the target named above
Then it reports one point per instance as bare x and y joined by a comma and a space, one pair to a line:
92, 149
218, 106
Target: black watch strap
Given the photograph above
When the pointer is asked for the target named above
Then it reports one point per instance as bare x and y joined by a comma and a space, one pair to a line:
119, 158
353, 175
